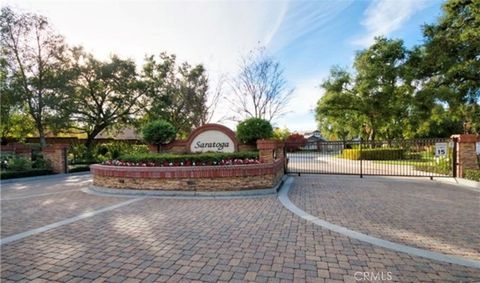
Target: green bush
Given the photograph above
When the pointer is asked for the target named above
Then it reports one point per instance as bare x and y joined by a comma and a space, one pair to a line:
28, 173
374, 154
5, 158
115, 149
79, 168
253, 129
104, 151
38, 162
159, 132
19, 163
207, 158
441, 166
77, 152
472, 174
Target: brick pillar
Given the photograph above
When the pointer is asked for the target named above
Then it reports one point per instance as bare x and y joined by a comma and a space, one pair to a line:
270, 150
56, 153
466, 153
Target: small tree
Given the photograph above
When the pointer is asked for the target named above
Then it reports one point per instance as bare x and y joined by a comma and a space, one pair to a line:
159, 132
294, 142
281, 134
253, 129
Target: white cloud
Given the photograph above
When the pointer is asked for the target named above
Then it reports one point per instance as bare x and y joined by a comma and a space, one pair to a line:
385, 16
304, 18
214, 33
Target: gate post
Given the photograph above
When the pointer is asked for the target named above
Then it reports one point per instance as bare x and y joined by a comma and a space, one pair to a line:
57, 155
361, 158
466, 157
454, 157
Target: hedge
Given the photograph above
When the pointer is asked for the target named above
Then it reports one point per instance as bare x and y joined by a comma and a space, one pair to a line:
472, 174
374, 154
79, 168
158, 159
21, 174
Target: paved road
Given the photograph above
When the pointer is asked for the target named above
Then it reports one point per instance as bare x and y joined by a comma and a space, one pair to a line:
316, 162
104, 238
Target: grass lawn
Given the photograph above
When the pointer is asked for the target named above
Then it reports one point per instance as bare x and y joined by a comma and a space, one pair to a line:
406, 162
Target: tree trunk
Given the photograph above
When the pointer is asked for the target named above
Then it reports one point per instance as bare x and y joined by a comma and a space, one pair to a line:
89, 146
41, 134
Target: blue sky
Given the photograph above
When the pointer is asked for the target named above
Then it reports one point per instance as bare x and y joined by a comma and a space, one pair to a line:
306, 37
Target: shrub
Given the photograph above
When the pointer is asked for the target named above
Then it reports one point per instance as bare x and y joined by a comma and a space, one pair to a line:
353, 154
281, 134
114, 149
79, 168
374, 154
159, 132
439, 166
5, 158
78, 152
253, 129
472, 174
294, 142
28, 173
39, 162
208, 158
19, 163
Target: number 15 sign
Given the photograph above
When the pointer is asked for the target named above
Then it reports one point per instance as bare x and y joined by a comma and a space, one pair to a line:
441, 149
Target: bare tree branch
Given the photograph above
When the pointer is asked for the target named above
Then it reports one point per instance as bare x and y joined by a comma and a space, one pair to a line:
259, 90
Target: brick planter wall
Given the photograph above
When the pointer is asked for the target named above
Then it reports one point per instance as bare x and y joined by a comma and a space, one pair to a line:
201, 178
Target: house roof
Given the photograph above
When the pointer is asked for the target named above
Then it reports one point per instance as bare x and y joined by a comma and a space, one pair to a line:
127, 133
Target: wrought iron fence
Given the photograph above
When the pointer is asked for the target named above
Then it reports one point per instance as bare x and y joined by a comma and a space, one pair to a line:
416, 157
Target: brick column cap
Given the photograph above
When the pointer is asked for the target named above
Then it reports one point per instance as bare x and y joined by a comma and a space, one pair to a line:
466, 138
266, 144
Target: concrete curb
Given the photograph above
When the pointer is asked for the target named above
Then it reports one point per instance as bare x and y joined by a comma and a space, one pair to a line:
43, 177
287, 203
185, 194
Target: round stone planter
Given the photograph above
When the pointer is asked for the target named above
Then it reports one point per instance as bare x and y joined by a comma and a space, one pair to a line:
189, 179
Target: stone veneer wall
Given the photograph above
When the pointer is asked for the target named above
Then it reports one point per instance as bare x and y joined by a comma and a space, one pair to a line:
466, 152
202, 178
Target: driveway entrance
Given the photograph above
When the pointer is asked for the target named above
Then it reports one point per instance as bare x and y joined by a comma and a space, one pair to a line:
413, 158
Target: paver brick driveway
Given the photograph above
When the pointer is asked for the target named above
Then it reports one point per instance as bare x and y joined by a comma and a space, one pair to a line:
419, 213
153, 239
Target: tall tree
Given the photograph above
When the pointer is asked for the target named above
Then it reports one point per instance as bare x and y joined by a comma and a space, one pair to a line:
35, 60
176, 93
451, 61
376, 96
260, 89
379, 85
106, 94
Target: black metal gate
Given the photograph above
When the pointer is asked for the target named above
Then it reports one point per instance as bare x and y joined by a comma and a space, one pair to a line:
416, 157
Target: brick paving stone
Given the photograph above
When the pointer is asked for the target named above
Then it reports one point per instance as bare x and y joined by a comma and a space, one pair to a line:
236, 240
20, 215
403, 210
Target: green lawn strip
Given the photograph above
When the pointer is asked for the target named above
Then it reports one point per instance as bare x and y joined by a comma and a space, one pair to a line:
406, 162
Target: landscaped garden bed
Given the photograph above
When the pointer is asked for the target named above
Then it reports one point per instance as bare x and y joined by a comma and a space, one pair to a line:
18, 166
472, 174
197, 159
